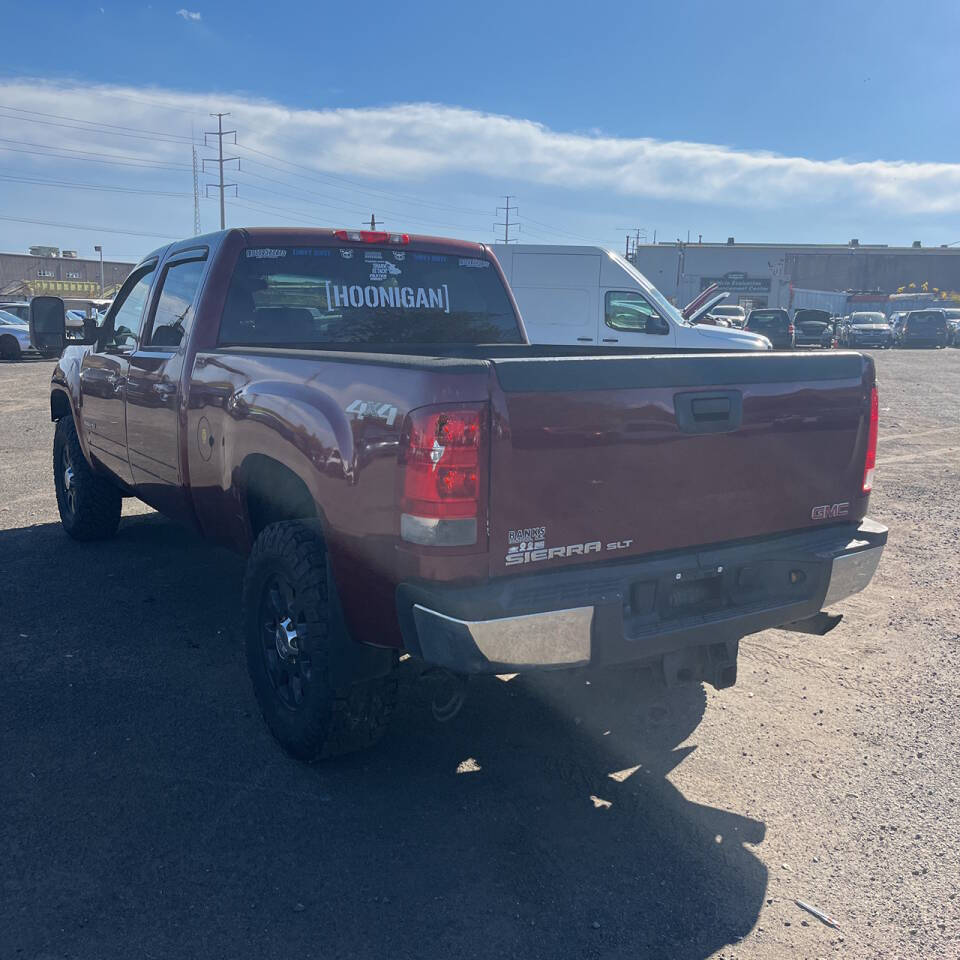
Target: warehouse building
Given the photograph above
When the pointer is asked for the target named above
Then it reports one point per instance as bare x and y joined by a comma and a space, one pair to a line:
52, 272
767, 274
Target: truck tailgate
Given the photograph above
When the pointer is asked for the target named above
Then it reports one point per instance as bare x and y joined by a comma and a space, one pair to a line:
593, 459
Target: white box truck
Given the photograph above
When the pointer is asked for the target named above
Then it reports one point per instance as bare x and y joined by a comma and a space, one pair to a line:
592, 295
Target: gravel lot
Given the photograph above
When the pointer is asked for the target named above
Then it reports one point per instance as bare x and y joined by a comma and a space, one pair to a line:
147, 812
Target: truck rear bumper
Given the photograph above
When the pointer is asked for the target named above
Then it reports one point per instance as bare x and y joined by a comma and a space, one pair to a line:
636, 611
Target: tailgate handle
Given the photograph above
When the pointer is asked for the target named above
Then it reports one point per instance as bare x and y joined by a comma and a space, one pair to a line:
715, 412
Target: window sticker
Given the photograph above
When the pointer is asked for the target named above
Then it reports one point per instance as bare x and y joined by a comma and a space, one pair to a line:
474, 262
346, 253
394, 298
380, 270
265, 253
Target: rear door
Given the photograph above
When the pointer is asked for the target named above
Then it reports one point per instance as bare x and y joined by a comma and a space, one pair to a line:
593, 457
154, 381
557, 294
103, 373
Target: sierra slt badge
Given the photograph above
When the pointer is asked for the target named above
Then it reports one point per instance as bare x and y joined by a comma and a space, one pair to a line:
571, 550
830, 511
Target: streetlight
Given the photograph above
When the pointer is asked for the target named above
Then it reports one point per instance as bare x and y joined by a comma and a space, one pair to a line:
99, 250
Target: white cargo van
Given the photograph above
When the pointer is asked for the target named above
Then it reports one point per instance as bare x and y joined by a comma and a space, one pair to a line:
592, 295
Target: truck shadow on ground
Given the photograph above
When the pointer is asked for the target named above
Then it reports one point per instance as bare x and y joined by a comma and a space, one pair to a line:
148, 811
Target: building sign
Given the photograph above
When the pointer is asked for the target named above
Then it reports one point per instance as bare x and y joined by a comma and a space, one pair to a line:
737, 282
60, 288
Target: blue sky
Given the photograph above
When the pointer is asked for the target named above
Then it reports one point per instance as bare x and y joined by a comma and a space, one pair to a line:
765, 121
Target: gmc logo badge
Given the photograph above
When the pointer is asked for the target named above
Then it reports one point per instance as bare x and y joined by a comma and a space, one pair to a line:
830, 511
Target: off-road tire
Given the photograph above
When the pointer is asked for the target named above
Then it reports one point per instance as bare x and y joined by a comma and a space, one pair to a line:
90, 508
331, 718
9, 348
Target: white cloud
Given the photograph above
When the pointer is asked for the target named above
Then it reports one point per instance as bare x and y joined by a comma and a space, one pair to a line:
419, 141
189, 14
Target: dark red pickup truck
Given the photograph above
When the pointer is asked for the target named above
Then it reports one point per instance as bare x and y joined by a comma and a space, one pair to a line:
361, 413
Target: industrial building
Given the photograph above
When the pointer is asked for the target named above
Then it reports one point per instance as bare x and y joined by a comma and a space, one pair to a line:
52, 272
768, 274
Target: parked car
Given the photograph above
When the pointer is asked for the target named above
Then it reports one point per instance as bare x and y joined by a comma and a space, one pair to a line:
867, 329
953, 326
361, 413
924, 328
576, 295
19, 308
14, 337
735, 314
774, 324
831, 333
809, 326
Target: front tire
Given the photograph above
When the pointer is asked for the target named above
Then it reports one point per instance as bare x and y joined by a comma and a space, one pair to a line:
89, 504
9, 349
292, 654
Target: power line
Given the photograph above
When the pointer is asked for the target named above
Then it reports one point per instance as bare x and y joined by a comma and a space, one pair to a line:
96, 123
506, 219
221, 160
89, 155
86, 227
358, 187
80, 185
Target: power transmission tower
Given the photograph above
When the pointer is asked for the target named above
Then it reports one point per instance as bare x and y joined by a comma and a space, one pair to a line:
196, 195
220, 133
506, 220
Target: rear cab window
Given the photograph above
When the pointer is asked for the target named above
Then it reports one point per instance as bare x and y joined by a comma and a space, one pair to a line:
330, 297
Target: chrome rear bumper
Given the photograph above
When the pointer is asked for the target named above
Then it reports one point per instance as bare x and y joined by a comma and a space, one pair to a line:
601, 632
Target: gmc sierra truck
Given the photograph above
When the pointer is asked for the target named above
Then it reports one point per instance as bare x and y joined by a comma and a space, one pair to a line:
362, 415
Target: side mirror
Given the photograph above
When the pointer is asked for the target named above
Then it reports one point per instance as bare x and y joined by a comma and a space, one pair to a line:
89, 330
48, 325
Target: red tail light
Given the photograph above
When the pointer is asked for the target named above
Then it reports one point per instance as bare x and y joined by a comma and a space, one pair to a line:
372, 236
870, 464
443, 460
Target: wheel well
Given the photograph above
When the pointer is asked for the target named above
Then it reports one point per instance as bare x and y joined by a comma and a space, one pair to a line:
274, 493
59, 405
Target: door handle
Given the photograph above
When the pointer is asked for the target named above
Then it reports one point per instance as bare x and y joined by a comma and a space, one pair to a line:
610, 340
719, 412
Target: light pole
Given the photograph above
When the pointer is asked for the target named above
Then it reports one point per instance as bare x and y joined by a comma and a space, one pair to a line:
99, 250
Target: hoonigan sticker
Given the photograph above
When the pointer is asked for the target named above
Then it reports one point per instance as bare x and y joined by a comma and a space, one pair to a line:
397, 298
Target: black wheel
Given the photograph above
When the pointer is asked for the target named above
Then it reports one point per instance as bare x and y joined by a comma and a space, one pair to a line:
291, 652
9, 348
89, 504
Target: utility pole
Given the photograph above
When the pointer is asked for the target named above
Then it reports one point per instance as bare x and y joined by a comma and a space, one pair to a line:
373, 222
506, 219
220, 133
638, 233
196, 195
99, 249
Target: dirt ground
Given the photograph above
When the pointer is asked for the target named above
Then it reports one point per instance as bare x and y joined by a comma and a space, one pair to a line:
147, 813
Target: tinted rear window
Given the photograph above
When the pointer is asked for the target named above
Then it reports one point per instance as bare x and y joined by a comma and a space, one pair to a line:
931, 320
768, 321
332, 296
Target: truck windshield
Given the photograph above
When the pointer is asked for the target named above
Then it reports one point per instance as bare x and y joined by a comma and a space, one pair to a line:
332, 296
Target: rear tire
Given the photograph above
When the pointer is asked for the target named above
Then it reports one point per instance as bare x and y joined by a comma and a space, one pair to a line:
291, 650
89, 504
9, 349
